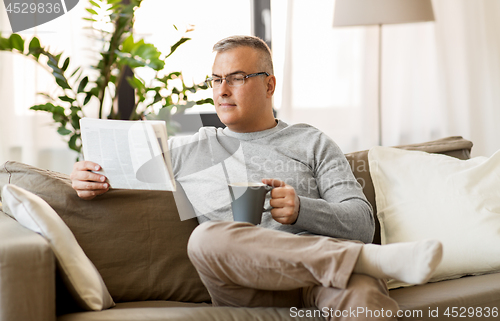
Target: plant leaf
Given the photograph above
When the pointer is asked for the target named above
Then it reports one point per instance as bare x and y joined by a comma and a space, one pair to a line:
35, 48
115, 7
132, 62
136, 47
87, 99
205, 101
66, 64
148, 51
4, 43
176, 45
58, 110
67, 99
52, 63
16, 42
94, 91
63, 131
91, 11
95, 4
136, 83
72, 143
74, 72
58, 75
59, 116
62, 83
75, 118
128, 44
158, 98
156, 64
48, 107
82, 85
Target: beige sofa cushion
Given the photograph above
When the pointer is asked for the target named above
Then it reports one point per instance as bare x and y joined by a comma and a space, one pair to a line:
422, 196
79, 274
477, 293
135, 239
168, 310
454, 146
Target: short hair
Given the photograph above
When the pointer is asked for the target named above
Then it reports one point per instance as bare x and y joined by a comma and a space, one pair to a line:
248, 41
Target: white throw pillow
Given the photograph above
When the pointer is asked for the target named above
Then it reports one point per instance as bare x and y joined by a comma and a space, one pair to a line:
79, 274
421, 195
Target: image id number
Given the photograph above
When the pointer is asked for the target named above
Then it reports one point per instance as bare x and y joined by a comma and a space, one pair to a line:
463, 312
17, 7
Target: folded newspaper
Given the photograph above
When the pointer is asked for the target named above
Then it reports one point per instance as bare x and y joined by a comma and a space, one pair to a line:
132, 154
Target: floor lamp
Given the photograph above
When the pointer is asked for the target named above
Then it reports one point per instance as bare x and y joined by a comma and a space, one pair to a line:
379, 12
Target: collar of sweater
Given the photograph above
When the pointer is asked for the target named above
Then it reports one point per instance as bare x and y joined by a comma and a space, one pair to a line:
256, 135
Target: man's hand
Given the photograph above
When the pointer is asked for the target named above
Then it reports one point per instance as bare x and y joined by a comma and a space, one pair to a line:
284, 201
87, 184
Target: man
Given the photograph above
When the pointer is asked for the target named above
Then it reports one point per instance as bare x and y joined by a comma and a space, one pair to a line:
300, 256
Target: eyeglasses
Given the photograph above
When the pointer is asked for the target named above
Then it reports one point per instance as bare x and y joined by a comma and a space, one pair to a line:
233, 80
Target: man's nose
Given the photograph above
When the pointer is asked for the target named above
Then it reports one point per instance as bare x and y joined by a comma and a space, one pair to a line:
224, 89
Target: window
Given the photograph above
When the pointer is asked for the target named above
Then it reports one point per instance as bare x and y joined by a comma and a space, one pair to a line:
212, 21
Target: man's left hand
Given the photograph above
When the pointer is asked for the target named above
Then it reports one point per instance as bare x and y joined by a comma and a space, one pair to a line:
284, 201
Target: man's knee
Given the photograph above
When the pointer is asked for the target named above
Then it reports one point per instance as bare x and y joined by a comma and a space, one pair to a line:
201, 237
211, 237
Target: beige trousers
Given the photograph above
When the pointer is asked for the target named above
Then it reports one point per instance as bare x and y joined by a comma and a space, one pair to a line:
246, 265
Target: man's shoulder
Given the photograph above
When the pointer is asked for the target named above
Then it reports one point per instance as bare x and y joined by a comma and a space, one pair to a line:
303, 127
312, 138
306, 130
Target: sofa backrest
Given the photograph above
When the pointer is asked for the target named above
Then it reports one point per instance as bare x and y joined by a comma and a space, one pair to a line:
454, 146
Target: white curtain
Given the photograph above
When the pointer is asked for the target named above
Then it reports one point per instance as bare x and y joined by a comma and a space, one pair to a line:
439, 78
468, 40
325, 75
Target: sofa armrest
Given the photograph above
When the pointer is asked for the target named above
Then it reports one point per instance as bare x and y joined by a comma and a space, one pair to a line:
27, 274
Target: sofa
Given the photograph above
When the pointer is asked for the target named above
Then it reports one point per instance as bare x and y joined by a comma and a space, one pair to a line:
137, 243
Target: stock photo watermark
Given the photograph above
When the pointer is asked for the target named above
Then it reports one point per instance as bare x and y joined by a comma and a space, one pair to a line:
26, 14
364, 313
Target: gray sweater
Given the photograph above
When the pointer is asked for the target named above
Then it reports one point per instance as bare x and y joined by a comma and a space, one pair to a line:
331, 200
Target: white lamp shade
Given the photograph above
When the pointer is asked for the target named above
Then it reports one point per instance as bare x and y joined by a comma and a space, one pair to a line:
375, 12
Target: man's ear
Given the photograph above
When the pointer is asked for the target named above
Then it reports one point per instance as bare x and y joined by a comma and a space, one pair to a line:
271, 86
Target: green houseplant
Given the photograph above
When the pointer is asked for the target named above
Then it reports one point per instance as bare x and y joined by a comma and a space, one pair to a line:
120, 51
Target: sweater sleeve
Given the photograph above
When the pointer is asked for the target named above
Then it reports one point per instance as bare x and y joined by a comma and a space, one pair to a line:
342, 210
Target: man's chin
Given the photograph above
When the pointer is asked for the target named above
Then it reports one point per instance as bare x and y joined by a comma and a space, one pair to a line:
230, 122
227, 117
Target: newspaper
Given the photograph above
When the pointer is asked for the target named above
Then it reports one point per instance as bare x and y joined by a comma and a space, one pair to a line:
132, 154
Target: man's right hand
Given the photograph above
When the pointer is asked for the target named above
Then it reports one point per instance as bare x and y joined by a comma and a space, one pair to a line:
87, 184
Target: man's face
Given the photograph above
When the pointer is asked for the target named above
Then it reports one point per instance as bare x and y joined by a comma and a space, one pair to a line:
245, 108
